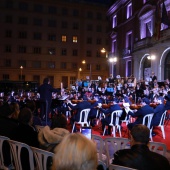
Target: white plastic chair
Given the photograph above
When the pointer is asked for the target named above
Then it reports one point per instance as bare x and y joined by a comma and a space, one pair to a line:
127, 119
101, 153
2, 140
114, 144
158, 147
16, 148
38, 127
147, 121
41, 158
161, 124
115, 124
118, 167
85, 121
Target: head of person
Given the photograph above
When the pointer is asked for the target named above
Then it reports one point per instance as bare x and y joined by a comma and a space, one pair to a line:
59, 121
6, 110
139, 135
145, 101
75, 152
46, 80
25, 116
16, 110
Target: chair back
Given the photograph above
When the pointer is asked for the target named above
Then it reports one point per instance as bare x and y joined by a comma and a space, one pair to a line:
43, 158
128, 117
118, 167
38, 127
2, 140
162, 121
113, 144
147, 120
116, 114
101, 153
16, 148
101, 163
158, 147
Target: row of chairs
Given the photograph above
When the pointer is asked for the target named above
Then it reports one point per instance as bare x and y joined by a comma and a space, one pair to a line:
40, 156
108, 146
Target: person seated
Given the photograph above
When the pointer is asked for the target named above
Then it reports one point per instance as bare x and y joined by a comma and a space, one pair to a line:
50, 137
140, 113
75, 152
139, 156
158, 111
107, 112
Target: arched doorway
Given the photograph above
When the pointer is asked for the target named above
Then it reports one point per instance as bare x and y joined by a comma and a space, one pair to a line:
146, 68
167, 67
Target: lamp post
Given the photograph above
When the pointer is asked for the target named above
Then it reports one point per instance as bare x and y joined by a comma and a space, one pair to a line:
21, 68
151, 57
113, 61
84, 62
79, 71
103, 50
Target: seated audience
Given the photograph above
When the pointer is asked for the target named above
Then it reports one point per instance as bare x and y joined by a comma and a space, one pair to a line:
139, 156
49, 138
75, 152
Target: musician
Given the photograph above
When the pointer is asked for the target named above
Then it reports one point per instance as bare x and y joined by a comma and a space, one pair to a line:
153, 79
139, 114
107, 112
45, 91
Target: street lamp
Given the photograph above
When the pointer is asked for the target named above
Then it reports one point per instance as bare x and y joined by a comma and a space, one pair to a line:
80, 69
113, 61
103, 50
21, 68
84, 62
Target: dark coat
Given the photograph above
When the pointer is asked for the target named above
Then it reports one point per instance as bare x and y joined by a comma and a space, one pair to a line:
158, 111
79, 107
141, 158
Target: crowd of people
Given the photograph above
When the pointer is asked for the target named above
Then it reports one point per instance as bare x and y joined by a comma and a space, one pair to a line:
20, 114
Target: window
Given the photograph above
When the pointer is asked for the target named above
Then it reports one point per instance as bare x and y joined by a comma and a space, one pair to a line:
128, 68
23, 6
99, 15
51, 64
75, 12
63, 38
75, 26
89, 27
7, 63
22, 49
52, 10
5, 77
9, 4
23, 20
52, 23
37, 50
64, 51
23, 34
38, 8
52, 37
114, 46
98, 54
89, 40
64, 24
88, 53
8, 49
8, 19
129, 10
89, 15
22, 63
74, 66
37, 36
63, 65
129, 42
72, 80
36, 78
98, 67
98, 41
51, 51
36, 64
64, 11
8, 33
99, 28
114, 21
75, 52
74, 39
37, 22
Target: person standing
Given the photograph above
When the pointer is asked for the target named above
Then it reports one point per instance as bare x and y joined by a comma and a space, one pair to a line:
45, 90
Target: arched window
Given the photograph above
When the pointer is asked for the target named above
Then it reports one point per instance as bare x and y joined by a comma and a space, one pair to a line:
167, 67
